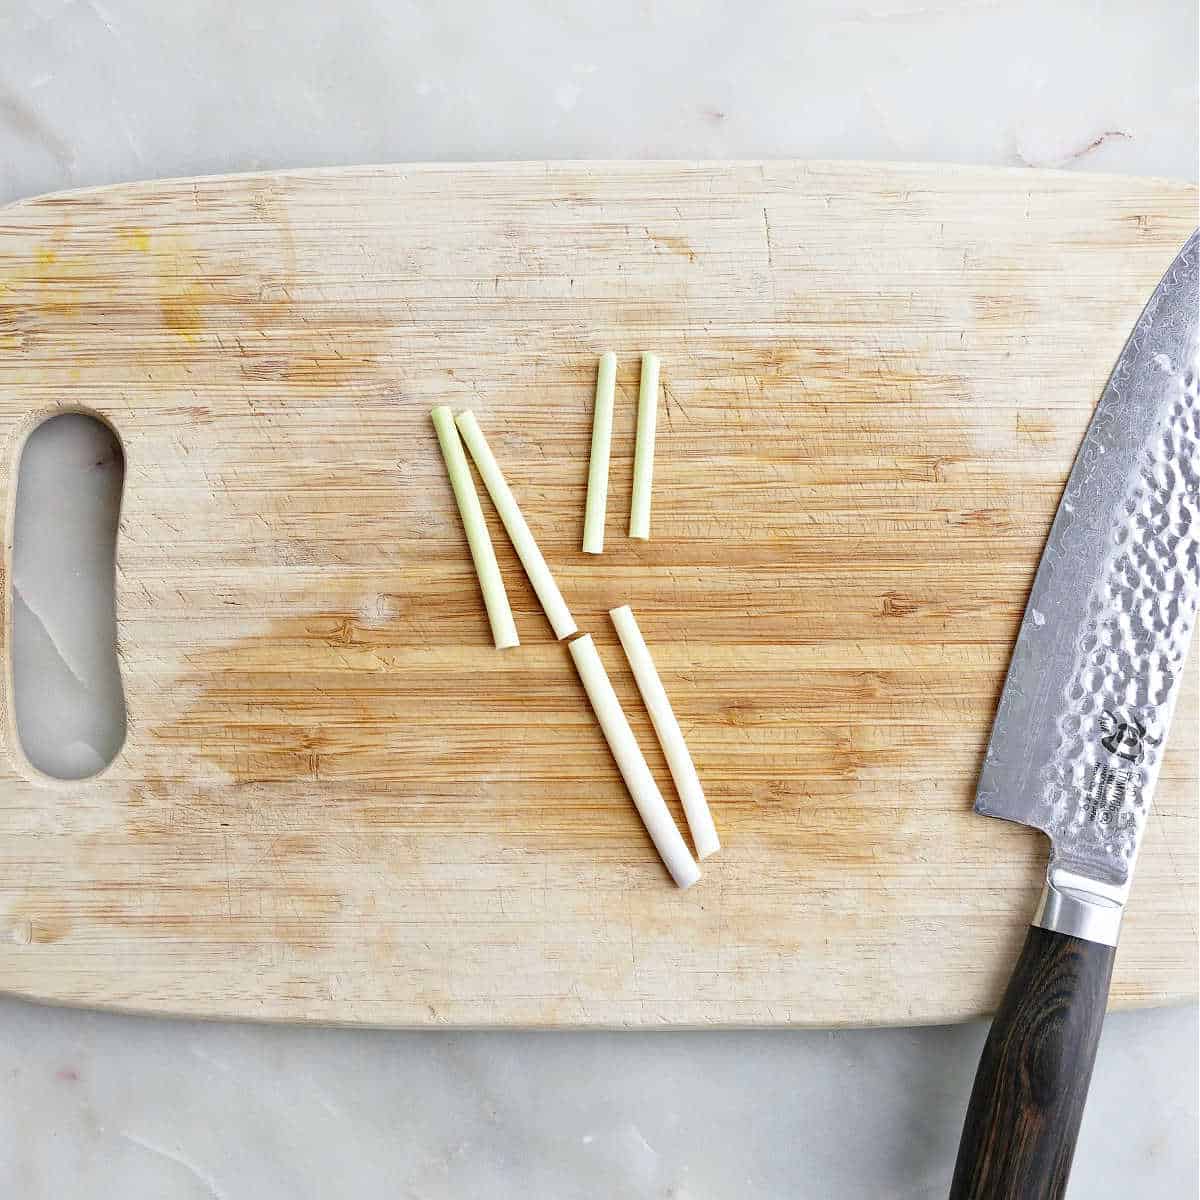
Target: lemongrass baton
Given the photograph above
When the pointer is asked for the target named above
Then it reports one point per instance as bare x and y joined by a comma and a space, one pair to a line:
523, 542
495, 598
670, 736
597, 486
643, 449
651, 806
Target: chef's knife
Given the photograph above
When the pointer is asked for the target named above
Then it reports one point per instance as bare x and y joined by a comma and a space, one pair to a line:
1079, 735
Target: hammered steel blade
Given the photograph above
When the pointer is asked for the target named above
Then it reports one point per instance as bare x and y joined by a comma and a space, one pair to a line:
1079, 733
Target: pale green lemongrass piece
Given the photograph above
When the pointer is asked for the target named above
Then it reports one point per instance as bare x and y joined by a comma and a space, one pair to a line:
651, 806
495, 598
670, 736
597, 487
643, 451
522, 539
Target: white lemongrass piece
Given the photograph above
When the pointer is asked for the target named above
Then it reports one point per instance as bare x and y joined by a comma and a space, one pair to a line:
597, 487
527, 550
495, 598
643, 449
651, 806
670, 736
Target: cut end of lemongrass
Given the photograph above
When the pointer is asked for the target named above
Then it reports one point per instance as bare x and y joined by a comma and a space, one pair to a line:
597, 487
688, 874
519, 533
666, 727
651, 806
479, 541
643, 452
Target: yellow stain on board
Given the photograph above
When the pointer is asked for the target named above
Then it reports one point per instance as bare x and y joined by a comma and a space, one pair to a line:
135, 239
181, 292
181, 310
58, 283
57, 278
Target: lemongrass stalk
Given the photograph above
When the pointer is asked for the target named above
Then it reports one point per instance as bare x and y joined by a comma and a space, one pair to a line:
519, 534
495, 598
643, 450
651, 806
670, 736
597, 487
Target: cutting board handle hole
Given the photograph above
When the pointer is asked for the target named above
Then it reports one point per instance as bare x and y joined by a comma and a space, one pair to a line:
65, 680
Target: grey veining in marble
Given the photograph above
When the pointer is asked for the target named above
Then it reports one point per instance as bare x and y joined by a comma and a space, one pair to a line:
96, 91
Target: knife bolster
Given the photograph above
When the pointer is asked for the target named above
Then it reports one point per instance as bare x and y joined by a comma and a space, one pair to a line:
1080, 908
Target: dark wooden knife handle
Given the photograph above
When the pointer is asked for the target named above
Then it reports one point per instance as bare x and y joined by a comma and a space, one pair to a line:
1018, 1139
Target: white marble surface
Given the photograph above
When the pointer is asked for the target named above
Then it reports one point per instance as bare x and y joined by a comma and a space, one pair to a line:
100, 1107
94, 91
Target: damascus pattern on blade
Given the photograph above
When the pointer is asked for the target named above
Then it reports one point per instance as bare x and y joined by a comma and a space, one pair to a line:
1079, 733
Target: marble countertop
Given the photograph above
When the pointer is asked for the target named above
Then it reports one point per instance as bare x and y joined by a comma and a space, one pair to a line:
96, 91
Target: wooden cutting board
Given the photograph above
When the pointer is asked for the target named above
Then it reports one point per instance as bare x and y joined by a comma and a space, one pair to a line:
338, 803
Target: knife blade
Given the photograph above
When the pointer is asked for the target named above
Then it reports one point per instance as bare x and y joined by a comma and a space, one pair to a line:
1079, 735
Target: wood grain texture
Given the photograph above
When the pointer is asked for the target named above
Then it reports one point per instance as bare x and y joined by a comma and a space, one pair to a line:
337, 802
1022, 1122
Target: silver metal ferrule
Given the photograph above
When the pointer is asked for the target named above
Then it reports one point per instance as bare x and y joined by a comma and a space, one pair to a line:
1080, 907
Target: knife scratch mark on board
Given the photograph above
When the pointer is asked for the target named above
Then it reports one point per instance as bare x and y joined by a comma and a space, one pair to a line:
673, 243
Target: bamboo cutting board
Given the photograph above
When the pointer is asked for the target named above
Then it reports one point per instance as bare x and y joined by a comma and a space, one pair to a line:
338, 803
